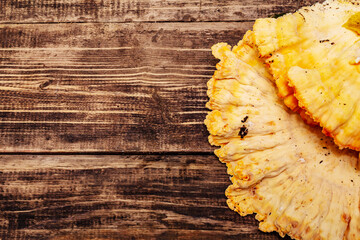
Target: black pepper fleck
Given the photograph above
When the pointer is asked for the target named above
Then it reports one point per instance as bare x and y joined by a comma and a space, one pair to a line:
245, 118
321, 162
243, 131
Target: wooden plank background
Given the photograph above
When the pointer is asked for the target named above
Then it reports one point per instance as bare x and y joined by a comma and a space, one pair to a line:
70, 94
118, 197
101, 118
76, 11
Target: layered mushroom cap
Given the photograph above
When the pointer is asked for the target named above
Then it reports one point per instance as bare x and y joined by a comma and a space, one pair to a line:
314, 58
296, 180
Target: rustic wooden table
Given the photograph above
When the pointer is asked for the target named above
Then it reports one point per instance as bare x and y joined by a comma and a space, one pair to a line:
101, 118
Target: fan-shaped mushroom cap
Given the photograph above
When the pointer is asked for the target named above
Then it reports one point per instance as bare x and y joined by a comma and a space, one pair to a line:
314, 57
297, 181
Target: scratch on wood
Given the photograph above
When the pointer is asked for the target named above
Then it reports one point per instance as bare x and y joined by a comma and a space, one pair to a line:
45, 84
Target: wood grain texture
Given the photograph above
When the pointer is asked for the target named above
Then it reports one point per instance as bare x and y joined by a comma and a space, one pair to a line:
118, 197
143, 10
108, 87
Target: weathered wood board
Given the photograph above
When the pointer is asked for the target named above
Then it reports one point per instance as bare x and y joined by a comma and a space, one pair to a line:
55, 11
109, 87
118, 197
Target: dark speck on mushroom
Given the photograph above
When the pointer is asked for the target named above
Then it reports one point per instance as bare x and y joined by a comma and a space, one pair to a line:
243, 131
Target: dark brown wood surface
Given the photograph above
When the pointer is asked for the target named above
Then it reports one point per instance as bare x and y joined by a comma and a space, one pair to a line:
20, 11
110, 87
118, 197
101, 118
